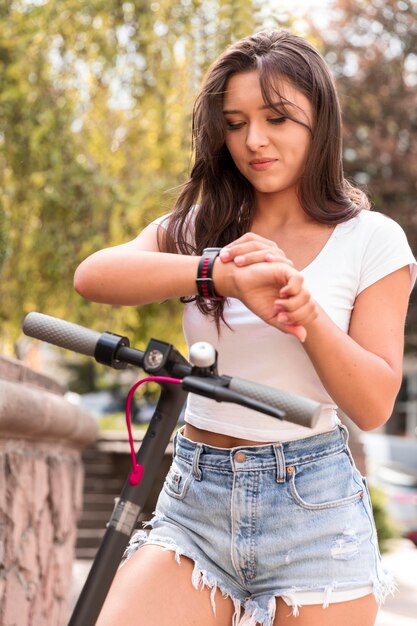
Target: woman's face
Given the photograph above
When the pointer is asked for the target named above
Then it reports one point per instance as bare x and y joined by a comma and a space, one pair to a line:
268, 148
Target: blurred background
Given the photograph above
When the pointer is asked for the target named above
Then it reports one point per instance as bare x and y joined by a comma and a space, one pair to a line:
95, 121
95, 110
95, 125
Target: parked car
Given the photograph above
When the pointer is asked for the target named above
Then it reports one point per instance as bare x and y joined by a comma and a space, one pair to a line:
102, 403
145, 411
392, 467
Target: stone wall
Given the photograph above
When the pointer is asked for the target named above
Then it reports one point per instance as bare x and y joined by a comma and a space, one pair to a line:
41, 479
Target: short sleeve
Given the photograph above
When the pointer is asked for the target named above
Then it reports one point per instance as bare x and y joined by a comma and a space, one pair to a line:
189, 225
386, 251
161, 221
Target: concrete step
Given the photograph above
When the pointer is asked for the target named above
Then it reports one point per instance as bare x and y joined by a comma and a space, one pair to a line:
99, 469
98, 484
99, 501
106, 467
85, 553
94, 519
89, 537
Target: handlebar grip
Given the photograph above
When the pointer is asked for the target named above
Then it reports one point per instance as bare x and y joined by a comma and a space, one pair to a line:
61, 333
297, 409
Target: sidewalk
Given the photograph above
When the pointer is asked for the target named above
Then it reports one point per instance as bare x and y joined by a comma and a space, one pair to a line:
399, 610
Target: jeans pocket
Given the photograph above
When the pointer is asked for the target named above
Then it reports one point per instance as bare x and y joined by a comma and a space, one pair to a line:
324, 484
178, 479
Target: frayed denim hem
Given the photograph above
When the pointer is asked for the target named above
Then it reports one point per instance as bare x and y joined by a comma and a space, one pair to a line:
249, 611
200, 577
255, 614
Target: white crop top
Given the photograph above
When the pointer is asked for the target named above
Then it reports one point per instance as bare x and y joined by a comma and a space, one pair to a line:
358, 253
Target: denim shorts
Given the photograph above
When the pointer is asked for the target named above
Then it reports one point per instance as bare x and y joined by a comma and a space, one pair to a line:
290, 519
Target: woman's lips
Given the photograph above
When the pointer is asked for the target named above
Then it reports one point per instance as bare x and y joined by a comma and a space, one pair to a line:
262, 164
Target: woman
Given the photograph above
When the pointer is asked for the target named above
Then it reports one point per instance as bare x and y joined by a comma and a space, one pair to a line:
261, 521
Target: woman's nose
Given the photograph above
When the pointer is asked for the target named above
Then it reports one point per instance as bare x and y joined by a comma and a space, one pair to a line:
256, 137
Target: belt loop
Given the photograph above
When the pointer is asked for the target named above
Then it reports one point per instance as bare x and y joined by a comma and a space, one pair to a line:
279, 456
345, 433
174, 445
196, 459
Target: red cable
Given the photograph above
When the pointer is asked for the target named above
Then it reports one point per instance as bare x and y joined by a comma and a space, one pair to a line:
137, 469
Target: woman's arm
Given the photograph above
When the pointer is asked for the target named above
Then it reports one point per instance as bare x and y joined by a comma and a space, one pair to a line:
136, 273
362, 371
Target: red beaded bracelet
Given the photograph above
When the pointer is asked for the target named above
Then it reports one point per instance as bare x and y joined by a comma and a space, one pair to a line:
205, 286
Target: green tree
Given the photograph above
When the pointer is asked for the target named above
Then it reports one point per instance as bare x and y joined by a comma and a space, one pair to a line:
50, 196
371, 47
95, 117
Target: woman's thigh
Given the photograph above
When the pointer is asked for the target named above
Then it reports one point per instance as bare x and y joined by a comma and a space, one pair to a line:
360, 612
153, 588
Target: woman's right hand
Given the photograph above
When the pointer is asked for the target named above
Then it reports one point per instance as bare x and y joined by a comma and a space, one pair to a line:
252, 248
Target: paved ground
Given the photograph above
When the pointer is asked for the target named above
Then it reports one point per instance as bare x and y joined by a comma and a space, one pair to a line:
400, 610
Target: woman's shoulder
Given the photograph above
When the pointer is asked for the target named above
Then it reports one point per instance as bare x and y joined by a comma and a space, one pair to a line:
163, 220
373, 235
381, 247
368, 225
374, 219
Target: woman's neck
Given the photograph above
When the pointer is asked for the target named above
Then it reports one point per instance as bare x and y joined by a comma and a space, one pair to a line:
278, 210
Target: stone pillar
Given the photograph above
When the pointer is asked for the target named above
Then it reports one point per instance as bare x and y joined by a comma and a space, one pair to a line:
41, 476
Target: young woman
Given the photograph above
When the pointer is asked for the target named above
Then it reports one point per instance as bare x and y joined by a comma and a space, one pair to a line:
260, 521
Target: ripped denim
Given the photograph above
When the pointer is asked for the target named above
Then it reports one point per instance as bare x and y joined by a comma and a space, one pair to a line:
291, 520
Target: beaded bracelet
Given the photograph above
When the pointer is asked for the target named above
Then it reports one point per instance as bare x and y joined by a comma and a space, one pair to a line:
205, 286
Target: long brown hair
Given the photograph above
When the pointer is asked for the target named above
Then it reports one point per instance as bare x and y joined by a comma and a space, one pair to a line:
217, 202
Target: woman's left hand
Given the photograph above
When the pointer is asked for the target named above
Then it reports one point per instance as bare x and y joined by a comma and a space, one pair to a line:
295, 307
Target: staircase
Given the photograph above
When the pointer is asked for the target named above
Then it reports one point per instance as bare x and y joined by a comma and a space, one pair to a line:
106, 467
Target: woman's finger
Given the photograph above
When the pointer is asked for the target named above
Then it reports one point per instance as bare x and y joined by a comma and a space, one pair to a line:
247, 247
293, 303
238, 249
259, 256
300, 316
293, 286
296, 329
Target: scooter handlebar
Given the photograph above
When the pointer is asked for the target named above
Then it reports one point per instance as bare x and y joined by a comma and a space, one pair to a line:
297, 409
61, 333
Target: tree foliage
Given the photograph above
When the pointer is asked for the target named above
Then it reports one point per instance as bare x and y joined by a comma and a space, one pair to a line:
95, 111
371, 46
95, 105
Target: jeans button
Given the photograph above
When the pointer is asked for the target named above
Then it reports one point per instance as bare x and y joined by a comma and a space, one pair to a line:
240, 457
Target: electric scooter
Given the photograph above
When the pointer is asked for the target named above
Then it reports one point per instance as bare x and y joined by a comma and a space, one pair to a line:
176, 377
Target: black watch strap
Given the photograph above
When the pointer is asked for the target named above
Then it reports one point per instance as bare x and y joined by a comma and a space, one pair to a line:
205, 286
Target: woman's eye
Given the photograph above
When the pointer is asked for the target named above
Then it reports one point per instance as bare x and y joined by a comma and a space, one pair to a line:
277, 120
272, 120
234, 125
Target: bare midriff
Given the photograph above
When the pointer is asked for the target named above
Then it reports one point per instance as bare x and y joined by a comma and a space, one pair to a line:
216, 439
